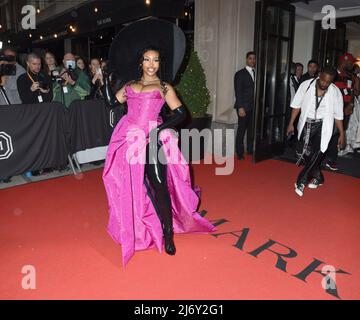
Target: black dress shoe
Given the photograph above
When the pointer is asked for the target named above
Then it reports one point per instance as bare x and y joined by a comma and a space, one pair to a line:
6, 180
240, 157
37, 173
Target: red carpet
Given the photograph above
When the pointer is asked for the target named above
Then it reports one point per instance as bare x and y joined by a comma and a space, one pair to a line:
59, 227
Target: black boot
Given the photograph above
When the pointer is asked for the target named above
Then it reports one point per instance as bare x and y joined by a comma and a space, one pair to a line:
169, 241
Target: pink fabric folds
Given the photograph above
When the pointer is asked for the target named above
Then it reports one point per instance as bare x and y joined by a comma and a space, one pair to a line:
133, 221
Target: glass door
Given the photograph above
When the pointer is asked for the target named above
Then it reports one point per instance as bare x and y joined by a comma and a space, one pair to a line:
329, 44
274, 37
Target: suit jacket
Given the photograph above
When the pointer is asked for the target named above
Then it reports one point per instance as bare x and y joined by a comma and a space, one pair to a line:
306, 76
244, 90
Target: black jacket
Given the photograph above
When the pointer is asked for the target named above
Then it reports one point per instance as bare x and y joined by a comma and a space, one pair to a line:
306, 76
24, 84
244, 90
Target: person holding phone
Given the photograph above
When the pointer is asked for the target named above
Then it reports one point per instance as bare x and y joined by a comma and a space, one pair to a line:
97, 79
34, 86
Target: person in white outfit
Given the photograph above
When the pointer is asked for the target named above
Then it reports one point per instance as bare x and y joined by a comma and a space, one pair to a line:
353, 130
319, 103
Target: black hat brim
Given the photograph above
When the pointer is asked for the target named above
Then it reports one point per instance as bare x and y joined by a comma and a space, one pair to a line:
127, 46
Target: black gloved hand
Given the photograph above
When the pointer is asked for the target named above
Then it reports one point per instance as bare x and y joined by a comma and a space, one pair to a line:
108, 94
178, 116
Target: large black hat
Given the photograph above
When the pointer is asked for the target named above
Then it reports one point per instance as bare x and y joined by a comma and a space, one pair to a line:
126, 48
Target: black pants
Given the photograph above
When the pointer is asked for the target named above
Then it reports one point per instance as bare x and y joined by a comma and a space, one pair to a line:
156, 174
244, 124
314, 156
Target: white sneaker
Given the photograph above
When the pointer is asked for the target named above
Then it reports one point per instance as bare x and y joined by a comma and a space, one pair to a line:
299, 189
314, 184
347, 150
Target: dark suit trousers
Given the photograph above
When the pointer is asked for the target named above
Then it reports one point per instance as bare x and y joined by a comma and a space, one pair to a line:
244, 124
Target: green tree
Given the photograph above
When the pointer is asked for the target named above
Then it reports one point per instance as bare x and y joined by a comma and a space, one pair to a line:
192, 86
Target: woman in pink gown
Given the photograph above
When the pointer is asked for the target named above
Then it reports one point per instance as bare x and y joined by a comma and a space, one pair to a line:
149, 201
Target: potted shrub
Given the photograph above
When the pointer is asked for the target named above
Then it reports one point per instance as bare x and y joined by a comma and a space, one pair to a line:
191, 89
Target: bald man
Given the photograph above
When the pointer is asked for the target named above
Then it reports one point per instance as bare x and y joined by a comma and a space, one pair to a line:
75, 84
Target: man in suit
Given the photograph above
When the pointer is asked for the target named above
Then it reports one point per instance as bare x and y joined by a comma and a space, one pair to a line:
244, 83
312, 71
295, 76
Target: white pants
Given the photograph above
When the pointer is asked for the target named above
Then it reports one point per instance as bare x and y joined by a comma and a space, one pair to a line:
353, 130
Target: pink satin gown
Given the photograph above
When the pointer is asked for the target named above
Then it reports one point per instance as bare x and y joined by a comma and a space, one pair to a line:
133, 221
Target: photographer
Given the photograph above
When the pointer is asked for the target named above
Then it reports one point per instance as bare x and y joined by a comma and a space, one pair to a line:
71, 84
34, 86
9, 82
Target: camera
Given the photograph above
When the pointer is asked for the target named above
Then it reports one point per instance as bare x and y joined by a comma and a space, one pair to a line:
55, 77
71, 72
7, 69
6, 58
43, 85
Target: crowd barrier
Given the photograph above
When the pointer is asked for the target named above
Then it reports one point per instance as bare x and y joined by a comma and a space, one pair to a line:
47, 135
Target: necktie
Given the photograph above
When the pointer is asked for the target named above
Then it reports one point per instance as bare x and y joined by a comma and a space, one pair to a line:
253, 71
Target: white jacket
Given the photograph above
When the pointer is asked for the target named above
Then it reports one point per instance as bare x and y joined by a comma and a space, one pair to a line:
333, 100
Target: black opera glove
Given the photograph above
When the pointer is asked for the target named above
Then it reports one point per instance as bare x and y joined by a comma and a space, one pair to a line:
110, 99
178, 116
